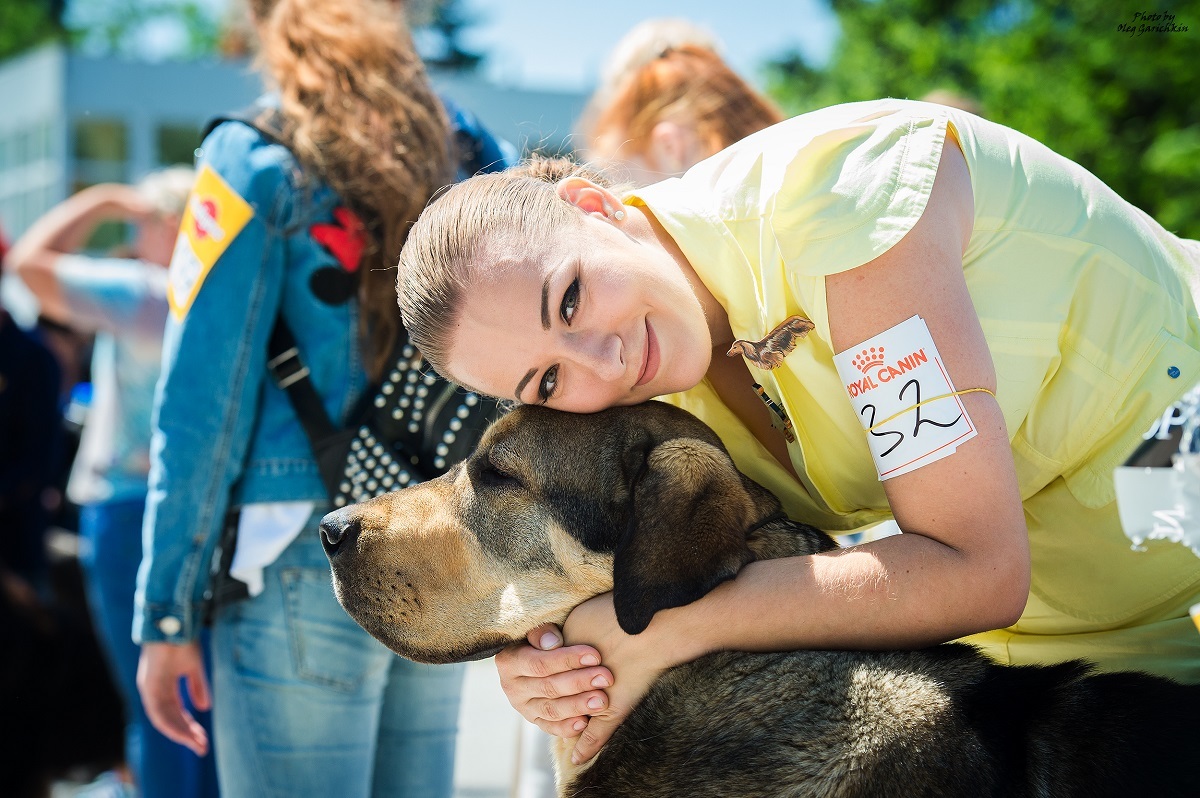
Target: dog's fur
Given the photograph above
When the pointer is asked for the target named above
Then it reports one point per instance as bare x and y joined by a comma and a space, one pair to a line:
552, 509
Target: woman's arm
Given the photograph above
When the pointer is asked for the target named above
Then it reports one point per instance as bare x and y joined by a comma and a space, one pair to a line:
64, 231
961, 567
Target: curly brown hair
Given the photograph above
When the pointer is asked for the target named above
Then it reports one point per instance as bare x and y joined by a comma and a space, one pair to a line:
359, 112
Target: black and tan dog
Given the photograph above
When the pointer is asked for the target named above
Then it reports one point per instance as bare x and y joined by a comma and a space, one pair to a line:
552, 509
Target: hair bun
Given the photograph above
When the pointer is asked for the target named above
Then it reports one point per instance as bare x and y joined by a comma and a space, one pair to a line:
551, 169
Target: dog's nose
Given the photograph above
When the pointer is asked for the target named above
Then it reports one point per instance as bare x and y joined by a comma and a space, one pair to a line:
338, 529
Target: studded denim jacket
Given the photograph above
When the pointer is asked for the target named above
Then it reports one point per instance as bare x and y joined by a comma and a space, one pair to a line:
224, 434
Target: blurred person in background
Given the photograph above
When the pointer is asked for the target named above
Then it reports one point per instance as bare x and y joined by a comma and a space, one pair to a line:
297, 214
123, 301
643, 43
30, 444
668, 101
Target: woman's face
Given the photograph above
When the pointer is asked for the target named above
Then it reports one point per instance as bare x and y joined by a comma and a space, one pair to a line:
595, 319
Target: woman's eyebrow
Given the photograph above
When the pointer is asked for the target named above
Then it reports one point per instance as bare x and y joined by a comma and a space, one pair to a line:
545, 307
525, 380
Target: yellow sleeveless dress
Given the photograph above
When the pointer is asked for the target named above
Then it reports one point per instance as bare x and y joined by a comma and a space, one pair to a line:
1086, 305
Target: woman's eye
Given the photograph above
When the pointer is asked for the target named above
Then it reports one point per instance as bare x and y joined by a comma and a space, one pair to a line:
549, 384
570, 301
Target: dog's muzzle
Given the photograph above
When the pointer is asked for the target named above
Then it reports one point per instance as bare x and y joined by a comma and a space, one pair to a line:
338, 532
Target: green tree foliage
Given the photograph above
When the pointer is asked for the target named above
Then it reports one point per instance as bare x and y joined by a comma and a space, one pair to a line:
1122, 103
26, 23
120, 27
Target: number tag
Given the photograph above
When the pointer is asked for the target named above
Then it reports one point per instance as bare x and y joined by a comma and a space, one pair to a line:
891, 380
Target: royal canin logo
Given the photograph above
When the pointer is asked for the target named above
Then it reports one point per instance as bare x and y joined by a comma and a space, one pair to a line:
873, 365
867, 358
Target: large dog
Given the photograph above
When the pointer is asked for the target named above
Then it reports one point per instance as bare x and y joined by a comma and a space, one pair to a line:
552, 509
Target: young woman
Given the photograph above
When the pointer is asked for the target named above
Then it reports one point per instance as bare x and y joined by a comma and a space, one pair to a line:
306, 703
672, 111
886, 310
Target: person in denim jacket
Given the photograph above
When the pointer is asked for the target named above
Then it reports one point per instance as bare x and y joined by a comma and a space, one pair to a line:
306, 702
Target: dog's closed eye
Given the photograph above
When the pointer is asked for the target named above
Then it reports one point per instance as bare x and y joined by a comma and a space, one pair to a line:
493, 473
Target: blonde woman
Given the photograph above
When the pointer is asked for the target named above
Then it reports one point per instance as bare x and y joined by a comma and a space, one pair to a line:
887, 310
306, 703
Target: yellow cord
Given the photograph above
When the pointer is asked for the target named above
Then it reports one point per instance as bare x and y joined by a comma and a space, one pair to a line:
927, 401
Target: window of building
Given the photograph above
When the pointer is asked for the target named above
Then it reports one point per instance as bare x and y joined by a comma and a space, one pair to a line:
101, 140
177, 143
101, 148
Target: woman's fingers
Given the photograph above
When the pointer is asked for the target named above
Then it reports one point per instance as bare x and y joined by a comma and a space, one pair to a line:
554, 689
160, 668
593, 737
198, 691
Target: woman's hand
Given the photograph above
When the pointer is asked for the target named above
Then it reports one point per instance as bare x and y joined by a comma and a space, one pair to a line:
553, 688
160, 668
638, 660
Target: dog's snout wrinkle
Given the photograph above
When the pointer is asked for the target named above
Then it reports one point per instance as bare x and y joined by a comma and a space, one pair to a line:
338, 531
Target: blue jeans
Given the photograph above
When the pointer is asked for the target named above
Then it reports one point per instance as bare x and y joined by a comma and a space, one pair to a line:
309, 704
163, 769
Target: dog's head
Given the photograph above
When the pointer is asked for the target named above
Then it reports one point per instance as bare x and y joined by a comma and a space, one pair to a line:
551, 509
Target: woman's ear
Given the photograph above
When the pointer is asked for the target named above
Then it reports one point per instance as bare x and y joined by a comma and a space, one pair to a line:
587, 196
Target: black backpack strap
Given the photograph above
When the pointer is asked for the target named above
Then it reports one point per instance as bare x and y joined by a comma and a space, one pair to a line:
266, 120
289, 372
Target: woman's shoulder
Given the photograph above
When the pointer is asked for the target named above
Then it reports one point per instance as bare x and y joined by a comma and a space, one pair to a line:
246, 159
840, 185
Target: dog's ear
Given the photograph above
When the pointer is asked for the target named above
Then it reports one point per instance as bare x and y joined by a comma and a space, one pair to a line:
686, 532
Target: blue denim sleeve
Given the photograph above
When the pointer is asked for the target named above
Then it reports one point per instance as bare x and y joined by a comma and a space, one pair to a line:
210, 389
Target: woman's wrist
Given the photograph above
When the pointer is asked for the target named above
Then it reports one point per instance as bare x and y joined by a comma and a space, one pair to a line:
689, 632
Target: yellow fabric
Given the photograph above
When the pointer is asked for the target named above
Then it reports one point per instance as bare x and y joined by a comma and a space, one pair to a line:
1085, 304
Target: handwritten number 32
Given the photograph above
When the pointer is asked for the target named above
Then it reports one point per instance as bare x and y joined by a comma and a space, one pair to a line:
916, 424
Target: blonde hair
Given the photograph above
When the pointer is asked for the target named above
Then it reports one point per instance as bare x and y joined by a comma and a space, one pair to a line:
688, 84
166, 190
459, 231
359, 111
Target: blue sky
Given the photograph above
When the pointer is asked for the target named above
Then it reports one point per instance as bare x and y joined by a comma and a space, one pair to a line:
562, 43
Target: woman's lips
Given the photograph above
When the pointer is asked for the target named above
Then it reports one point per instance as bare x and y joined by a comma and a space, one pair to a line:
650, 359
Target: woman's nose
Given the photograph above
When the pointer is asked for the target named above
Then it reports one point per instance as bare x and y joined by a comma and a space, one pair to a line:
599, 352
